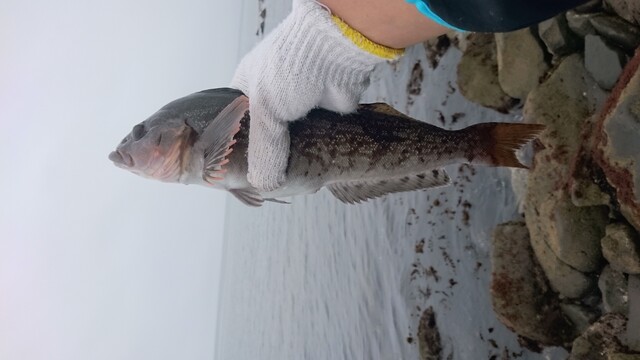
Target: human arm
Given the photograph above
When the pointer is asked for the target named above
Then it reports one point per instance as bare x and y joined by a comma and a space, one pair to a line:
393, 23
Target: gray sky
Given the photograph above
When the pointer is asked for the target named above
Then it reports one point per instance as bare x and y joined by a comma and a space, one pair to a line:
96, 263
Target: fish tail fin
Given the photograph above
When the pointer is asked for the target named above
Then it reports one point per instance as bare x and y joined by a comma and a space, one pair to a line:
504, 139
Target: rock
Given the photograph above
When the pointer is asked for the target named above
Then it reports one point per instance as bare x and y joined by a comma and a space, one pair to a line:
617, 30
519, 74
561, 104
519, 180
589, 6
587, 185
585, 192
604, 62
621, 356
626, 9
613, 286
478, 74
429, 343
621, 247
580, 23
580, 316
574, 233
520, 294
600, 339
564, 279
617, 132
557, 37
633, 325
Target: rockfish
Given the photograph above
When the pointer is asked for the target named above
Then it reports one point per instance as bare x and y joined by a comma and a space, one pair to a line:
202, 139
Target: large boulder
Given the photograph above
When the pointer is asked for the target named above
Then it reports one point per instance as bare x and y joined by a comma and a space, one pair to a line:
603, 61
600, 339
617, 31
633, 325
563, 102
621, 247
557, 37
626, 9
613, 286
617, 134
574, 233
478, 74
521, 296
519, 74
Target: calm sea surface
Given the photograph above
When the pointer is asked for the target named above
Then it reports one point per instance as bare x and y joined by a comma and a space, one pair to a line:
318, 279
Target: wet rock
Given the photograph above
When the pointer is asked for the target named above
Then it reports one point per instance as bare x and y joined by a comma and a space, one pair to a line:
561, 104
519, 74
574, 233
521, 296
632, 339
557, 37
626, 9
581, 316
617, 133
621, 247
429, 342
580, 23
600, 339
613, 286
478, 74
617, 30
604, 62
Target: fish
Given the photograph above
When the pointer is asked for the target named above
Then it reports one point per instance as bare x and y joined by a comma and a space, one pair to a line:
203, 139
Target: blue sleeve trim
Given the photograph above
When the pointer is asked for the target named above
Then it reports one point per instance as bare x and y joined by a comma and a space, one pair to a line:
426, 11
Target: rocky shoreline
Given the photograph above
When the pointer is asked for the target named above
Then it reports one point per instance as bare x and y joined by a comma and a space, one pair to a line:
569, 273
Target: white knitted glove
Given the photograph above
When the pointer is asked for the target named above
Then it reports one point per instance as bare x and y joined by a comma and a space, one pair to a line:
311, 59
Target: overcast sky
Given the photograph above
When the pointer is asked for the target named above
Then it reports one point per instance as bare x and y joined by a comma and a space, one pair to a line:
96, 263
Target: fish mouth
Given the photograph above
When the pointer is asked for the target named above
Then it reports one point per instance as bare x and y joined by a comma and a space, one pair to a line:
121, 159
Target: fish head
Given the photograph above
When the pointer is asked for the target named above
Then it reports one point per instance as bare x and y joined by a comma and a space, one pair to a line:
156, 148
161, 147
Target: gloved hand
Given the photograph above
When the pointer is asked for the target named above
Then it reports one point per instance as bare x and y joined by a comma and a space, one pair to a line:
312, 59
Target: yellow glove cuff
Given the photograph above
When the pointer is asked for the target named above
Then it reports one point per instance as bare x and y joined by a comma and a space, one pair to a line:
365, 44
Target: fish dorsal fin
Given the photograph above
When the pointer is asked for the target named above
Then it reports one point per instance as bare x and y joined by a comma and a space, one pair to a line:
217, 138
383, 109
355, 191
248, 196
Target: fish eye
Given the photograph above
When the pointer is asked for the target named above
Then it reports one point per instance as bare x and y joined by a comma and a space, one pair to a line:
138, 132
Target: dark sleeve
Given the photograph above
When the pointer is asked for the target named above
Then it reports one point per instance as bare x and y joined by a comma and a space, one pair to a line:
497, 15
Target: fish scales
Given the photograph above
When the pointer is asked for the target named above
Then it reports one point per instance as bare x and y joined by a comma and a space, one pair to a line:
366, 144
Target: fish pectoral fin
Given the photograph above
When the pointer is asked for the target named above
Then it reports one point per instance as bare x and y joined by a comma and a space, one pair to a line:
217, 141
278, 201
356, 191
248, 196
